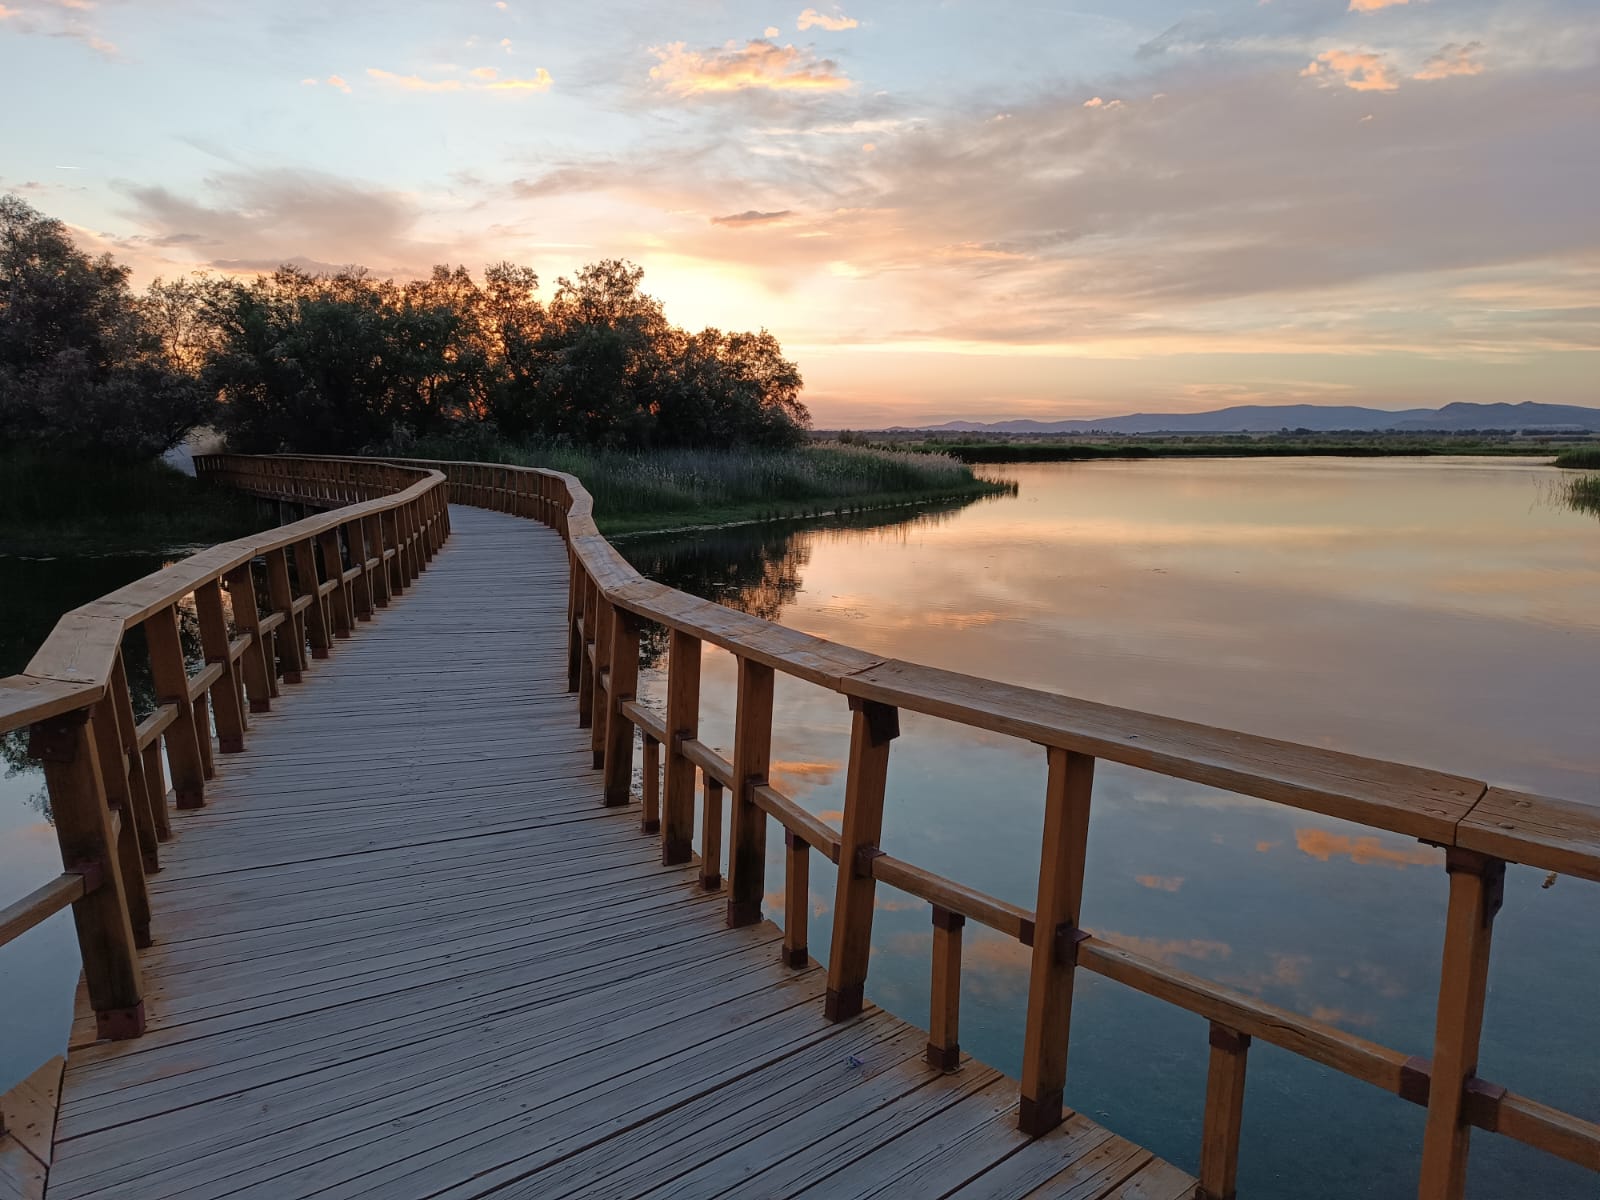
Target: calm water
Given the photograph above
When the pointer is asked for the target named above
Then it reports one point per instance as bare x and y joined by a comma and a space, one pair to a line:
1440, 613
1445, 613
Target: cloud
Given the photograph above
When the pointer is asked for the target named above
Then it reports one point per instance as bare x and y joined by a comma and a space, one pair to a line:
753, 217
771, 31
338, 81
414, 83
792, 778
1365, 850
758, 64
255, 220
1357, 70
1374, 5
834, 22
1454, 59
483, 79
1160, 883
540, 82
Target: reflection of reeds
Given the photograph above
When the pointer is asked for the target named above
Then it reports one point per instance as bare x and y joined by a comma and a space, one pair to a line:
1582, 493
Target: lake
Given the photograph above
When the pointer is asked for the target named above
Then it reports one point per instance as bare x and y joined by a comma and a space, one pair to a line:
1442, 612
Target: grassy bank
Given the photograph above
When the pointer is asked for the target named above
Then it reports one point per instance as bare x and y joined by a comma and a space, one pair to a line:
1580, 457
670, 488
65, 505
1232, 447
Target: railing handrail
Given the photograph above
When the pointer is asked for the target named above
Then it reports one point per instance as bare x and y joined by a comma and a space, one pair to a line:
72, 667
107, 772
1554, 834
1479, 828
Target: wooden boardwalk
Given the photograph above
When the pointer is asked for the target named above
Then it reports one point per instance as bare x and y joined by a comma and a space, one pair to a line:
404, 951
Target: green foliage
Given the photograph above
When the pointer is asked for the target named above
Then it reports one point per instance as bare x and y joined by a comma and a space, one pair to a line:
1584, 494
83, 367
337, 363
667, 487
1580, 457
56, 503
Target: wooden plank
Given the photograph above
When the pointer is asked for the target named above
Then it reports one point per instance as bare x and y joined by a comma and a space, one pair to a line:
39, 905
1408, 800
1541, 831
28, 1111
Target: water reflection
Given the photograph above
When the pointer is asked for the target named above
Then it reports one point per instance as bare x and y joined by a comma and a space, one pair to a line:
1427, 612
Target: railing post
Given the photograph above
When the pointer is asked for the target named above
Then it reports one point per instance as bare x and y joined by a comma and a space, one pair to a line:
586, 661
392, 540
291, 640
1055, 940
873, 727
624, 658
796, 898
152, 784
183, 736
65, 747
225, 692
683, 725
944, 991
1477, 886
339, 598
129, 853
711, 836
258, 671
600, 707
1224, 1116
355, 536
319, 629
650, 791
575, 592
378, 580
752, 755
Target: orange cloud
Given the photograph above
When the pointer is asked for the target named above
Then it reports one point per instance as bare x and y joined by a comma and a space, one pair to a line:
1374, 5
1263, 846
790, 777
1160, 883
484, 73
833, 23
338, 81
1166, 950
759, 64
1322, 845
753, 217
414, 83
1357, 70
540, 82
1454, 59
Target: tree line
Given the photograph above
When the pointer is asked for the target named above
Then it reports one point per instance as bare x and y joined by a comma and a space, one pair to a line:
343, 362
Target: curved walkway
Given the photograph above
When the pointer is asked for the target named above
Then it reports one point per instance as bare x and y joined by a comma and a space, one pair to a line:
405, 952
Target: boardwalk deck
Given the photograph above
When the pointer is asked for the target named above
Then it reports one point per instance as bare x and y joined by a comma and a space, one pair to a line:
405, 952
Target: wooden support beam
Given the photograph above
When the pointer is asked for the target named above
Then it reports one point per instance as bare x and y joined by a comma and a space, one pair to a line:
1477, 885
711, 836
683, 724
586, 682
944, 992
1224, 1114
1061, 863
333, 572
291, 640
214, 644
256, 664
873, 727
65, 747
796, 898
125, 845
171, 679
650, 792
752, 755
308, 582
600, 709
623, 655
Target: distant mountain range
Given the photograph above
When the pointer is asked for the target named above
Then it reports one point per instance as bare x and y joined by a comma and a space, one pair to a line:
1320, 418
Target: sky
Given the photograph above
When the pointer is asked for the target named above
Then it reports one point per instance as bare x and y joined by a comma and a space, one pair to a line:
943, 210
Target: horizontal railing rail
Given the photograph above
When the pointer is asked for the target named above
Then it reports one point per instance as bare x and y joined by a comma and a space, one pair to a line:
1480, 828
256, 604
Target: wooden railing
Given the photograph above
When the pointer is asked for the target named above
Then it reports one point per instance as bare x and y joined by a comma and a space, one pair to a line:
259, 602
1480, 827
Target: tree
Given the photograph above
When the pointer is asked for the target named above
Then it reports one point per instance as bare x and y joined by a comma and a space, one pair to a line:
83, 369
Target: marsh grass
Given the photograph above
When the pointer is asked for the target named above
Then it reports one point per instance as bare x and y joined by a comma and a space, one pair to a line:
666, 488
1580, 457
1583, 493
63, 504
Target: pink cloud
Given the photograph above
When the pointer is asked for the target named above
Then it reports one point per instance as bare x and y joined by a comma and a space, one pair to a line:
833, 22
759, 64
1454, 59
1356, 69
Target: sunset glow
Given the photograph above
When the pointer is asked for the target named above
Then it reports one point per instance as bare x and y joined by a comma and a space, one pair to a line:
979, 211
